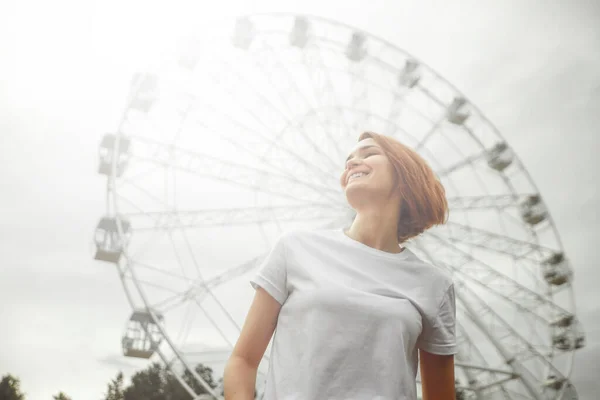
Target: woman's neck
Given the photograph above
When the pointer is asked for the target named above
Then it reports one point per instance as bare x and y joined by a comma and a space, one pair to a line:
378, 230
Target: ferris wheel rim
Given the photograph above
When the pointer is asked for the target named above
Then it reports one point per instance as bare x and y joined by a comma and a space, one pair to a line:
497, 133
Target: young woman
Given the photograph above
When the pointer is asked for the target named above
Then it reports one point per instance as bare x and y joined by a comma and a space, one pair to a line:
354, 311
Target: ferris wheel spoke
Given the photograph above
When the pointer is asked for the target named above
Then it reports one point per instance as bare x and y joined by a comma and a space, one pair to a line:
464, 235
512, 346
173, 300
517, 395
397, 129
318, 52
468, 350
329, 87
492, 202
429, 134
129, 184
466, 161
169, 220
215, 168
359, 93
208, 291
264, 100
524, 349
169, 304
458, 233
231, 91
431, 95
153, 285
162, 271
395, 111
186, 327
285, 97
360, 87
491, 155
470, 353
201, 287
479, 272
270, 142
214, 323
518, 296
363, 80
294, 162
360, 77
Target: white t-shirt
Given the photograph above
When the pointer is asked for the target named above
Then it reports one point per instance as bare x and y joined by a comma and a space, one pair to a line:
352, 318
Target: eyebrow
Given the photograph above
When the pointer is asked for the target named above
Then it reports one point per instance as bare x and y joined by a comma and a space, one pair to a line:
360, 150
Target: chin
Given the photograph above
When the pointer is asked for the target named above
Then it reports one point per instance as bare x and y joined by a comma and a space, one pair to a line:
357, 195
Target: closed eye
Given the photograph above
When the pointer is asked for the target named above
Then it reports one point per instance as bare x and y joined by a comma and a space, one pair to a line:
365, 156
370, 154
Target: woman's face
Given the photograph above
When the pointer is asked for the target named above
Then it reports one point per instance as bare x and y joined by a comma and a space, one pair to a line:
368, 169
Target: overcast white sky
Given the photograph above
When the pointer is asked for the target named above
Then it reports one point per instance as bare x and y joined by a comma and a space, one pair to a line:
532, 67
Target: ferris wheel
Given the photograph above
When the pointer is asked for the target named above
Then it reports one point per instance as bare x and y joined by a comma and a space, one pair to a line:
234, 137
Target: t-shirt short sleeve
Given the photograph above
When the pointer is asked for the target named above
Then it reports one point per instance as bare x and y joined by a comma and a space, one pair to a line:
272, 273
439, 330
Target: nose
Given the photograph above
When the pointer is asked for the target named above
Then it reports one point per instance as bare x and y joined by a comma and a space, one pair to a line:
351, 163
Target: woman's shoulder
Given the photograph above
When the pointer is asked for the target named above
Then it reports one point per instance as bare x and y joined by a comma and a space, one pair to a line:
435, 272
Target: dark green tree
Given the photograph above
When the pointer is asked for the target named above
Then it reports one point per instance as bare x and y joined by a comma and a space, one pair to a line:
158, 383
116, 390
148, 384
205, 373
10, 388
61, 396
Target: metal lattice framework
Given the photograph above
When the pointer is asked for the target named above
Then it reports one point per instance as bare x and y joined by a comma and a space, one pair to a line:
239, 135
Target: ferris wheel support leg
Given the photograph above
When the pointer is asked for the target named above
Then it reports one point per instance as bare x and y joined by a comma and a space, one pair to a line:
163, 333
510, 359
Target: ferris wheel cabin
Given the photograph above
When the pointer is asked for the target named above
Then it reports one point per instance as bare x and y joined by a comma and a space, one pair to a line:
299, 33
457, 113
145, 88
107, 153
569, 335
533, 210
556, 270
143, 335
409, 76
243, 33
109, 243
500, 157
357, 47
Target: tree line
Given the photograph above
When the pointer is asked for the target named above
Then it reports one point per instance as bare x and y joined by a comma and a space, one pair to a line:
155, 382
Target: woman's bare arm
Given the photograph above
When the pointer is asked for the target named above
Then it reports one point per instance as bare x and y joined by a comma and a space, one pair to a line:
240, 372
437, 376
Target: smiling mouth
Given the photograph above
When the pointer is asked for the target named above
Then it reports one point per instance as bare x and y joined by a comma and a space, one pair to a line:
356, 175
